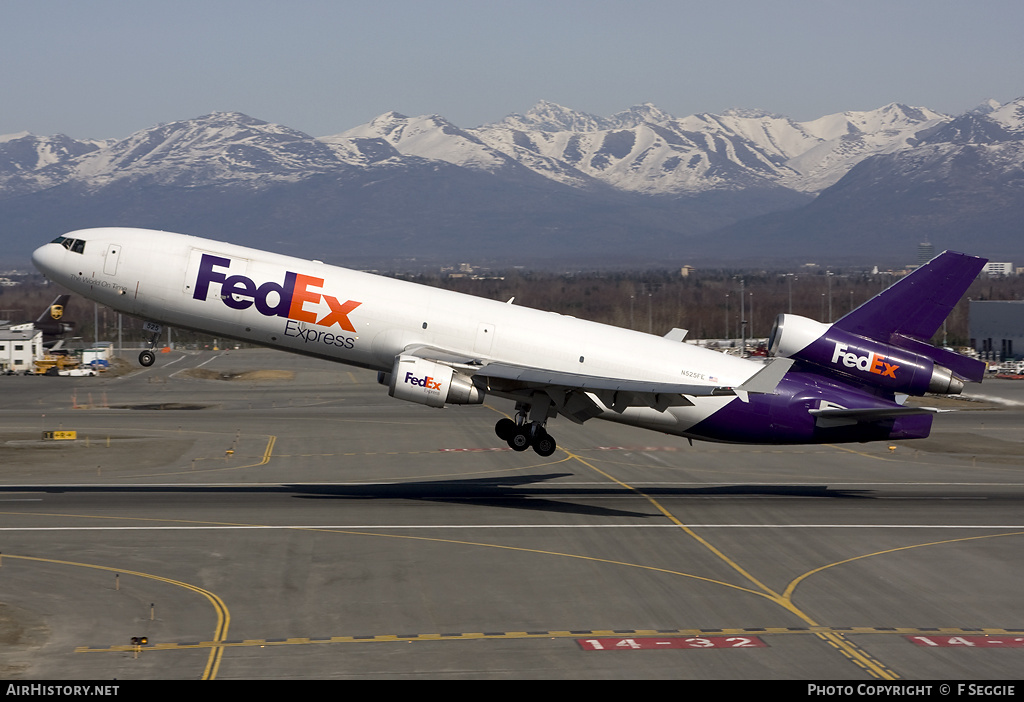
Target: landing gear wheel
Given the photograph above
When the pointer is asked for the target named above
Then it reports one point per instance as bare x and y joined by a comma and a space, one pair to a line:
147, 358
520, 440
505, 428
543, 443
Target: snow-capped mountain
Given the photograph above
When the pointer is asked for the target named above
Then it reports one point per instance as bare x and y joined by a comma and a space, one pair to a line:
1010, 116
845, 139
25, 157
549, 117
567, 178
218, 149
221, 148
646, 150
641, 150
430, 137
648, 157
959, 184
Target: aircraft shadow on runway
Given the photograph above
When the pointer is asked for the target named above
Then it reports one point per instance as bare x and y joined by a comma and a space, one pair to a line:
524, 492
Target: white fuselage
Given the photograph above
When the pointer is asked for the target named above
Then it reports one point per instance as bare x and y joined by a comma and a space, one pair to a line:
367, 320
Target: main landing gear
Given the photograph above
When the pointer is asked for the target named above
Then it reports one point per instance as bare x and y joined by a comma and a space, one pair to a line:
521, 433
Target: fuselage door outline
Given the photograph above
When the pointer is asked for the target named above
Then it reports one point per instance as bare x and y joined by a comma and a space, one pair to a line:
111, 258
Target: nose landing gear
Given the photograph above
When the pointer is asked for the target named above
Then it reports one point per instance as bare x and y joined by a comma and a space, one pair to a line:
147, 357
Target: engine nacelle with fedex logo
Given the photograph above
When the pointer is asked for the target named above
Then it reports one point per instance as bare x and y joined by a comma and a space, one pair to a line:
854, 357
428, 383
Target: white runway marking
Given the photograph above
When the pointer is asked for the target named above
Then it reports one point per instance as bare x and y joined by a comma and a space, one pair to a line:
427, 527
539, 484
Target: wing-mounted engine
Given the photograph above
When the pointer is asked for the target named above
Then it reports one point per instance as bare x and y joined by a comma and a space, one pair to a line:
430, 383
865, 361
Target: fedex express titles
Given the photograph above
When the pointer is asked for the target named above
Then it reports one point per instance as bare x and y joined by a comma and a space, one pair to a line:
872, 363
240, 292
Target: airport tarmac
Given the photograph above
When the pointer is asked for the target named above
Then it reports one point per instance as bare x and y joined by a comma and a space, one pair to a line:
260, 515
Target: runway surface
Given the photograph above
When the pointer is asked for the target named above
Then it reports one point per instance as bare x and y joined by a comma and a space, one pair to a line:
259, 515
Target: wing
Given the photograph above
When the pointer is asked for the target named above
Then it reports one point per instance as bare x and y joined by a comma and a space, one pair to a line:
574, 394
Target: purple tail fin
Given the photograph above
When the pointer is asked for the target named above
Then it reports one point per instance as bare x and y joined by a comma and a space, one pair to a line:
911, 311
916, 306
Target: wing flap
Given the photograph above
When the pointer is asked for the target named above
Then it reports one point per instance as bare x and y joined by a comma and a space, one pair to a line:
580, 381
448, 356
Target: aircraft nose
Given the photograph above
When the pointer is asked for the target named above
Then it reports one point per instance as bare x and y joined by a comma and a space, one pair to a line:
46, 259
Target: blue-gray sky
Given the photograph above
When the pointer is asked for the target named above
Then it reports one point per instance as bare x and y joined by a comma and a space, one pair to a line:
106, 68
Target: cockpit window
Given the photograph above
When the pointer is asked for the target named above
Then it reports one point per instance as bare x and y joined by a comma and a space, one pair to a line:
75, 245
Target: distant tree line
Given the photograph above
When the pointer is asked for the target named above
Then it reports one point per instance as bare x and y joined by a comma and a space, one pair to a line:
707, 303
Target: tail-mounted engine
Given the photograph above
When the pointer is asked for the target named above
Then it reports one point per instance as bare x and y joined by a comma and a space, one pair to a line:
430, 383
867, 361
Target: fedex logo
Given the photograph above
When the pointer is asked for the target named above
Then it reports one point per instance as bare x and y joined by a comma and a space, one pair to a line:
872, 363
287, 299
425, 382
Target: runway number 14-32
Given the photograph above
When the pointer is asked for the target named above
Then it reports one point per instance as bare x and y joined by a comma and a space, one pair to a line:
648, 643
980, 641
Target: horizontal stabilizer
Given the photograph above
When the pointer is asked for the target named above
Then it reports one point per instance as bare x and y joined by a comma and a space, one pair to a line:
874, 412
967, 368
832, 417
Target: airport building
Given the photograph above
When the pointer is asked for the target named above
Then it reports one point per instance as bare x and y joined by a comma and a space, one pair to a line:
925, 253
997, 328
19, 349
996, 268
